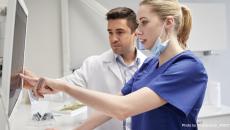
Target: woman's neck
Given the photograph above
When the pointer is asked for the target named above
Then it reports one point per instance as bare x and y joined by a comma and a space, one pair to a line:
172, 50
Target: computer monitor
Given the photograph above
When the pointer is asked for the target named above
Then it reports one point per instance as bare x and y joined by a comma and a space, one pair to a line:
13, 55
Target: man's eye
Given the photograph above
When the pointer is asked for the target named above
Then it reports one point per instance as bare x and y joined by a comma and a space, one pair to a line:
120, 33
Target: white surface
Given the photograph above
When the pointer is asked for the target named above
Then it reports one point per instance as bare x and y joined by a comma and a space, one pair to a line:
23, 119
70, 112
214, 118
213, 111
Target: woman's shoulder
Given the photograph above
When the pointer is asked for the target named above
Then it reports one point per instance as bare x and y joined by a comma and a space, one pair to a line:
187, 56
187, 60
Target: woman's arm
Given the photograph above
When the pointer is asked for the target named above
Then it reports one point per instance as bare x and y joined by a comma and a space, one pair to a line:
119, 107
95, 120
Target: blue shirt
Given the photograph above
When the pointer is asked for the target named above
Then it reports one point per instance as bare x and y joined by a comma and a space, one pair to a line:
181, 82
128, 70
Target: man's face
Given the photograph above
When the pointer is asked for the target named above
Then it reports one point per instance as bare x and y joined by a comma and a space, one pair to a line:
120, 36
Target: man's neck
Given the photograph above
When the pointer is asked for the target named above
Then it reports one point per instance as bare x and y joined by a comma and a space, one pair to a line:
130, 56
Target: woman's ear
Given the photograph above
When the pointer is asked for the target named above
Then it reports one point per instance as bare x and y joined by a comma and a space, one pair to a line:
169, 22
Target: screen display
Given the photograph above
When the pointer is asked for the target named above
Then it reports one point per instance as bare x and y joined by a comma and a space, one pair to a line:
17, 56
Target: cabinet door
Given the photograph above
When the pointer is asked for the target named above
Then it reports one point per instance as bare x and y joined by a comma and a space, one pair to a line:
214, 123
209, 26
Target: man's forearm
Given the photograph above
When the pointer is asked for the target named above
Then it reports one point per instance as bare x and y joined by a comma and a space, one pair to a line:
95, 120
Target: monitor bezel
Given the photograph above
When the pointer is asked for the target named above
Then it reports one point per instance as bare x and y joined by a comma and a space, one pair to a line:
8, 48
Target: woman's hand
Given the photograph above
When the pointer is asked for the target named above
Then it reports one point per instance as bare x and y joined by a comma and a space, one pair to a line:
44, 85
30, 74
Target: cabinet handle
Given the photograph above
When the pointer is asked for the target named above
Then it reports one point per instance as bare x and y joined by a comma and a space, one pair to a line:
199, 122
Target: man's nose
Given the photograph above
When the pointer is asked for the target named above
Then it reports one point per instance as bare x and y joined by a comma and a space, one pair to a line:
114, 39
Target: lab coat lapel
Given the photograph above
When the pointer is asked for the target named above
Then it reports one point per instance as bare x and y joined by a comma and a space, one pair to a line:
110, 61
115, 69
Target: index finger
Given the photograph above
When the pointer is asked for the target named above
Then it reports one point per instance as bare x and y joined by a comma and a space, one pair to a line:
30, 80
39, 86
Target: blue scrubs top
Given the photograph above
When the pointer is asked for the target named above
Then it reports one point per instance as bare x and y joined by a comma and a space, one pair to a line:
181, 81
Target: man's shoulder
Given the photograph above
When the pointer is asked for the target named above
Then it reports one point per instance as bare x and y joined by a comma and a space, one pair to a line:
105, 56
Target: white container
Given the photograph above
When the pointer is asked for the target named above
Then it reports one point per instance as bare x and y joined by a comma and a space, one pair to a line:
213, 94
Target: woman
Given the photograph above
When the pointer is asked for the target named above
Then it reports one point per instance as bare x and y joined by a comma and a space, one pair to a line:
167, 91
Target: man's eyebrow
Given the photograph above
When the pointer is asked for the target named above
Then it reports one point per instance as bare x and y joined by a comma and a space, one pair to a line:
120, 29
117, 29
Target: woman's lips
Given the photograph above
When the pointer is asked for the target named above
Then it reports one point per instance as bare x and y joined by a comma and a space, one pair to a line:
142, 41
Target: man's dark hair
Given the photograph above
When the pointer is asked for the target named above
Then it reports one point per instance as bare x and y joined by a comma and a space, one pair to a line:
123, 13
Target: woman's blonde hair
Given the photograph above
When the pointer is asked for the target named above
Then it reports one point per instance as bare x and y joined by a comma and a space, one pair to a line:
181, 14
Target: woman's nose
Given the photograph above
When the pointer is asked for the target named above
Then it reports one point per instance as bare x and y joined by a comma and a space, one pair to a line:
138, 32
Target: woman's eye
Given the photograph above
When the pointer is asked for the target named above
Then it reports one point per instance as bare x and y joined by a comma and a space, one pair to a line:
144, 22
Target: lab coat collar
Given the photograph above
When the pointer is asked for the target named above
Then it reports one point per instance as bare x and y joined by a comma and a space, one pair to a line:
110, 60
110, 56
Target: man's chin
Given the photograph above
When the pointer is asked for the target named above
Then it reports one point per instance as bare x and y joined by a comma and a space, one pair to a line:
119, 52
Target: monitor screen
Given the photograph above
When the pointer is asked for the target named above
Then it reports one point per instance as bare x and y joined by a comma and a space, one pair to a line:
17, 56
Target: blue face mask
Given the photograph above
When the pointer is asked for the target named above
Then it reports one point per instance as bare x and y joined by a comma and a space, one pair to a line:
159, 47
140, 45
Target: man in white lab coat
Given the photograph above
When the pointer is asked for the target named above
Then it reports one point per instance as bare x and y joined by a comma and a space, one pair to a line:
109, 71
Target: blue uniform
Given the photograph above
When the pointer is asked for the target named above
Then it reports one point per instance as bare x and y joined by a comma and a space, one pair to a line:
181, 81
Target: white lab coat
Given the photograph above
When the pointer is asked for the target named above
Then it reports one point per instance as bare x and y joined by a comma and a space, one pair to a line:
101, 73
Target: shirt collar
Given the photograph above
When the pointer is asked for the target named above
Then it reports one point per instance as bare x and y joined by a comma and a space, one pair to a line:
136, 62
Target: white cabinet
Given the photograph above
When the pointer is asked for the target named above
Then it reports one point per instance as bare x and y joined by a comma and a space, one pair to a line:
213, 118
215, 123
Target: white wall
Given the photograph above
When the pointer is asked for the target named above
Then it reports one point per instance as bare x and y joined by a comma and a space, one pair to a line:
218, 66
88, 32
3, 2
43, 50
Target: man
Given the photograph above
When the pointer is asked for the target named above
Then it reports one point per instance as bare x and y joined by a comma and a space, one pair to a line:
109, 71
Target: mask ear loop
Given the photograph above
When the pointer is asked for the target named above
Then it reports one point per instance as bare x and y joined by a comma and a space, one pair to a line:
167, 36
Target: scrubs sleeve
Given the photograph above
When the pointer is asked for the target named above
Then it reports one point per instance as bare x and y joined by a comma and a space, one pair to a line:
181, 85
127, 89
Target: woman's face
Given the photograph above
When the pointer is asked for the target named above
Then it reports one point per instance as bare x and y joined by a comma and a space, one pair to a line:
150, 26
